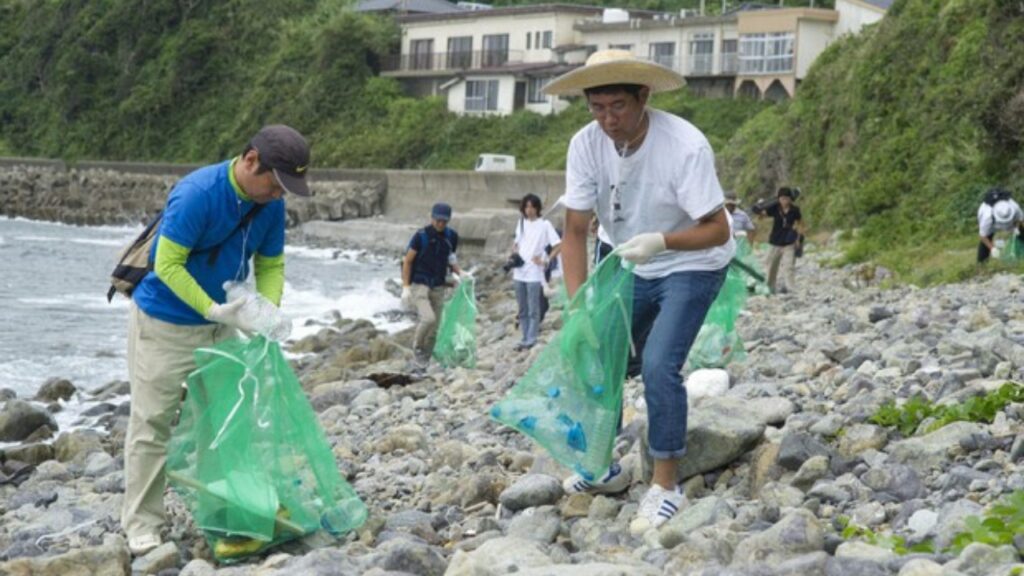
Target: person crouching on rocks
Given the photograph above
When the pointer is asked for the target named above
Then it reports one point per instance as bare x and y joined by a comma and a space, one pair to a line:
998, 213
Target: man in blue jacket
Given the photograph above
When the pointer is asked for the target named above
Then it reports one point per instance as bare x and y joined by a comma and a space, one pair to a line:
429, 256
216, 220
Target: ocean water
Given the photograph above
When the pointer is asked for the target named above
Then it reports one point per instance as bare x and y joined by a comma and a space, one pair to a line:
55, 320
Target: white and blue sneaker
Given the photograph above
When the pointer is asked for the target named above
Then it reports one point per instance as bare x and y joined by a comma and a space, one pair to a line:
657, 508
615, 481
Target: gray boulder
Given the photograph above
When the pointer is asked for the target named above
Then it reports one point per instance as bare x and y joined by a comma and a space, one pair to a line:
112, 558
796, 534
531, 490
55, 389
19, 419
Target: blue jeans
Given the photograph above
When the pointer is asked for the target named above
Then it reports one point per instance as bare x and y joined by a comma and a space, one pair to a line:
667, 314
528, 296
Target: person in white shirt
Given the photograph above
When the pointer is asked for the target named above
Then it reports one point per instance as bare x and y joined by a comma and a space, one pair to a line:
533, 236
650, 176
998, 213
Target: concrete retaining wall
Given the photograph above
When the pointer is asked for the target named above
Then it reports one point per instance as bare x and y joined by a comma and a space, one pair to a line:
485, 204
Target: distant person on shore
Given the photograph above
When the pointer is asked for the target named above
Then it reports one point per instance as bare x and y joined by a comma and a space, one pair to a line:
998, 213
650, 176
742, 227
430, 254
785, 238
536, 243
180, 305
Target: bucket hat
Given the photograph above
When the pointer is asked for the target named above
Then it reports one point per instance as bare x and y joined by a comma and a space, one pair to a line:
615, 67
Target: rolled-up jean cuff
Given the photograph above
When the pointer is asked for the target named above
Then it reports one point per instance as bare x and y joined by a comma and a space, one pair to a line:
666, 455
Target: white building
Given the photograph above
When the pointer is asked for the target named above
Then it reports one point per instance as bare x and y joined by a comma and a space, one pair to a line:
490, 61
496, 61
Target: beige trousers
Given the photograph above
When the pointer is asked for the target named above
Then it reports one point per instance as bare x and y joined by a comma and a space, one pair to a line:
428, 303
782, 261
159, 359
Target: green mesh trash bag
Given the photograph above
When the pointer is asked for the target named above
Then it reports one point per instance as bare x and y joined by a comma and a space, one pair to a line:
456, 333
1014, 249
746, 262
718, 343
248, 455
569, 400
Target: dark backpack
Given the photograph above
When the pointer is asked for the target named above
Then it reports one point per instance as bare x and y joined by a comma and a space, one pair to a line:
134, 263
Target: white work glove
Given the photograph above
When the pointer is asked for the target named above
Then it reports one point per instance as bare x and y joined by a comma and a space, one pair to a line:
230, 314
407, 297
995, 252
642, 247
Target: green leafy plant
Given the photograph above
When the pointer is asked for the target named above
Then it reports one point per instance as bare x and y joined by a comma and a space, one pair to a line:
996, 527
908, 416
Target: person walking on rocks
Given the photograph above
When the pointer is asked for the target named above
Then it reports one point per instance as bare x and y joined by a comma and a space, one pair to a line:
535, 236
786, 237
998, 213
741, 224
430, 254
650, 176
216, 219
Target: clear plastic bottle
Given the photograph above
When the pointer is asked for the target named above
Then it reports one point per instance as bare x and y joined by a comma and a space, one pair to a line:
259, 311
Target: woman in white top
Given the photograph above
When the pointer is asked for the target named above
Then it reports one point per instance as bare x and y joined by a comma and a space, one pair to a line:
533, 236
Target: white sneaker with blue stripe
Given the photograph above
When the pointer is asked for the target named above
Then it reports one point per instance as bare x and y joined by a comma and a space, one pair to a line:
657, 507
613, 482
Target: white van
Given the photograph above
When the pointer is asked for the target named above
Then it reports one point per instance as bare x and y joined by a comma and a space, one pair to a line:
495, 163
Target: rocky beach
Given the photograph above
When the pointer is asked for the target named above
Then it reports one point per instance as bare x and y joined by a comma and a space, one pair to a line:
778, 466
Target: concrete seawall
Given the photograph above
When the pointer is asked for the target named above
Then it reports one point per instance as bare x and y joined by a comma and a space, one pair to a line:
93, 193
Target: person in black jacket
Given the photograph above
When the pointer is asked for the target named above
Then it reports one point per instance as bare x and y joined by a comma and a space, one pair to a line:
786, 237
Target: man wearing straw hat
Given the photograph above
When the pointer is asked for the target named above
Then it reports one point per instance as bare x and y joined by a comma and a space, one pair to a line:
650, 177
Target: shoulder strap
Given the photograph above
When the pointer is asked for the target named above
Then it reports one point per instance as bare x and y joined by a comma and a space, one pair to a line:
215, 250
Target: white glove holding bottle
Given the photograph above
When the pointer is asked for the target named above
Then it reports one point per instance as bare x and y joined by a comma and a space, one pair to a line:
642, 247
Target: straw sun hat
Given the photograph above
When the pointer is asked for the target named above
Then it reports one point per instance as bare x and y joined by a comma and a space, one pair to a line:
614, 67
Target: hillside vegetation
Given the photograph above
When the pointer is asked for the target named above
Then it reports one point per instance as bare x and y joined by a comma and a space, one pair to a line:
180, 81
898, 131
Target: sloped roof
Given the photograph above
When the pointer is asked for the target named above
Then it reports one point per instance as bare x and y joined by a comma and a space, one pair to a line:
408, 6
883, 4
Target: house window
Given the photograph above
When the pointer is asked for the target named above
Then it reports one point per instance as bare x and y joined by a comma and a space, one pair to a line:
460, 52
421, 54
664, 53
533, 91
528, 37
730, 63
702, 48
481, 95
536, 39
495, 49
766, 53
546, 39
626, 47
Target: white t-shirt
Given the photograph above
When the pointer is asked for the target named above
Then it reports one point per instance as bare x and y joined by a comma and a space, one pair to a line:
665, 186
987, 224
531, 238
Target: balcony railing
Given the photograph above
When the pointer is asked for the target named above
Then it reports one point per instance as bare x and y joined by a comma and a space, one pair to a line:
441, 61
730, 63
701, 64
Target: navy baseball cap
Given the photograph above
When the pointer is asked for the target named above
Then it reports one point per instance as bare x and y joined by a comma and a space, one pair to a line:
286, 152
441, 211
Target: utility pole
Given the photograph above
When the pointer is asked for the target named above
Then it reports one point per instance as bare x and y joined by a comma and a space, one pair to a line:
701, 7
